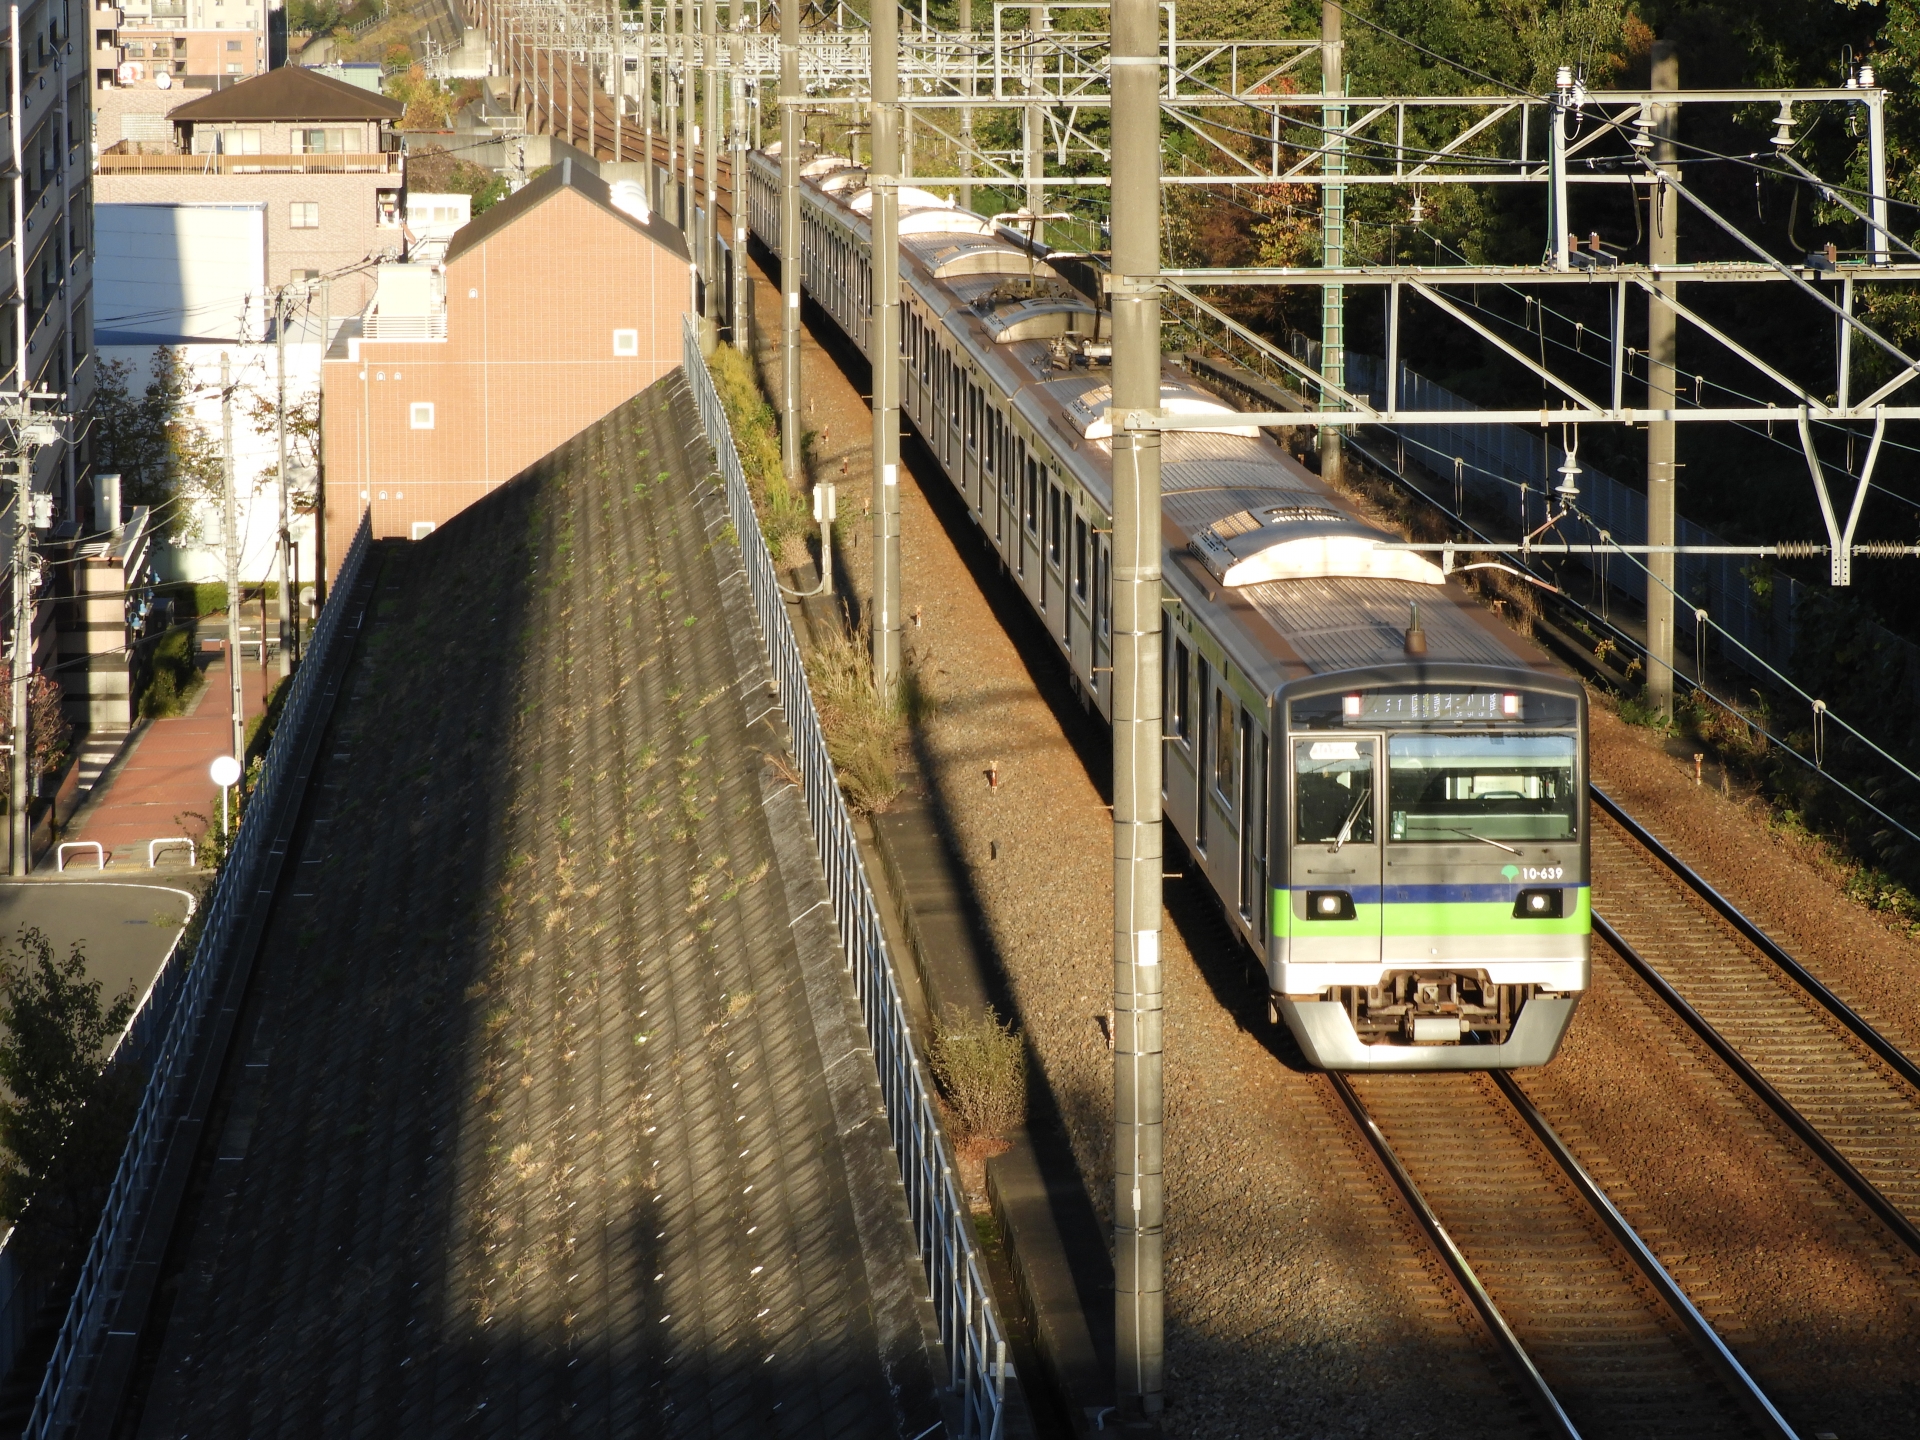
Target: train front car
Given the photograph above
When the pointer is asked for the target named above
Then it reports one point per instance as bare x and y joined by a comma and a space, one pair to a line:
1433, 912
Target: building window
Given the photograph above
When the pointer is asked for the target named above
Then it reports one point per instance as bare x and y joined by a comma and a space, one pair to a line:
626, 342
233, 44
420, 415
422, 529
137, 52
304, 215
233, 67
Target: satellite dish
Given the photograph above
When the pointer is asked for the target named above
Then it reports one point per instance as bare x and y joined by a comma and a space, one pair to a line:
225, 771
163, 81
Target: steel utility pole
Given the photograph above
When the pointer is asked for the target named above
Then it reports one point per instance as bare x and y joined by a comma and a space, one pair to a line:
1138, 1195
232, 522
282, 313
1663, 352
19, 799
966, 115
1333, 229
737, 63
690, 123
790, 240
884, 180
710, 154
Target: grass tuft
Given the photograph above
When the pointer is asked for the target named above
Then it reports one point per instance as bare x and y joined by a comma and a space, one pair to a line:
981, 1067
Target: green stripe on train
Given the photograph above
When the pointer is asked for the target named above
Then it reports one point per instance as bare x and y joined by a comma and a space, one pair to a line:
1441, 918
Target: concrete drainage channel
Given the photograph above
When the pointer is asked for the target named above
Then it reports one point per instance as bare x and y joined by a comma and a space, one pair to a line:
1052, 1273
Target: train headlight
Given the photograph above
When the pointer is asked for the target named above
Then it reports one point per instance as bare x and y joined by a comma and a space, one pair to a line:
1329, 905
1540, 905
1510, 706
1350, 706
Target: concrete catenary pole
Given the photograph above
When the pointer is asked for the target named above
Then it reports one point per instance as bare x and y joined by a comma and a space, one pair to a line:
737, 63
790, 241
283, 312
1137, 1105
669, 100
884, 180
1333, 230
710, 162
690, 122
1663, 351
231, 520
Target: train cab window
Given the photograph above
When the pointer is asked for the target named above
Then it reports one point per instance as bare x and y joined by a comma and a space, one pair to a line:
1499, 788
1179, 677
1053, 526
1226, 752
1333, 792
1080, 559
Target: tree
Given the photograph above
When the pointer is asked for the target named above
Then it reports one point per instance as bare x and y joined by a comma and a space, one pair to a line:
166, 458
437, 170
64, 1120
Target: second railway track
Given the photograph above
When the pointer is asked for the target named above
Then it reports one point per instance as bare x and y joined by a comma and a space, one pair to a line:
1857, 1101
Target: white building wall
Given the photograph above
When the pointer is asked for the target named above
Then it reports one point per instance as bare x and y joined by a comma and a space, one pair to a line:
191, 271
201, 556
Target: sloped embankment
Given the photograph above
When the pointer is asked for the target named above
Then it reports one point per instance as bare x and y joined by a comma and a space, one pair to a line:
539, 1119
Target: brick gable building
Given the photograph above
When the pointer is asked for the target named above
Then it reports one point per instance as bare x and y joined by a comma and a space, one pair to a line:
555, 306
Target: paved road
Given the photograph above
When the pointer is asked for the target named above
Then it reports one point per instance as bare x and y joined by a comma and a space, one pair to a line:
126, 927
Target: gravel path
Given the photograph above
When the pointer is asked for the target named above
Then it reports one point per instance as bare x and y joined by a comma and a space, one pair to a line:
1301, 1301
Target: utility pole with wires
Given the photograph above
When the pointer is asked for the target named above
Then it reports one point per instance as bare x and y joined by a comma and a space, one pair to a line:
231, 520
282, 313
30, 434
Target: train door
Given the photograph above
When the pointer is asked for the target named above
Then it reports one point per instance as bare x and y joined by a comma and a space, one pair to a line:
1102, 613
1203, 753
1253, 825
1080, 645
1334, 870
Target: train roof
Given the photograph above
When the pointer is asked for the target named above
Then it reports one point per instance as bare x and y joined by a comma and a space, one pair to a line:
1277, 565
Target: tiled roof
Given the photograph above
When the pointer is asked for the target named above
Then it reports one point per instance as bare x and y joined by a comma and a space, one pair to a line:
289, 93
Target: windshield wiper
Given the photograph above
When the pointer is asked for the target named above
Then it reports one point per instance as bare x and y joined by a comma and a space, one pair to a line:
1484, 840
1346, 828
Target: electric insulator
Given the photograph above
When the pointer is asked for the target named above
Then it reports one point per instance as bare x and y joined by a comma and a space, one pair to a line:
1799, 550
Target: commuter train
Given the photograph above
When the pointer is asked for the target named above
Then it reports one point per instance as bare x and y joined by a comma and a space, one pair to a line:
1385, 787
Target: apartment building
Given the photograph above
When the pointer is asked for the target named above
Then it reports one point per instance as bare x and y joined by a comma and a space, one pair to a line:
46, 336
152, 55
320, 154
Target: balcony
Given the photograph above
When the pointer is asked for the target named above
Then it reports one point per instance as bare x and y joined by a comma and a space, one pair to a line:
363, 163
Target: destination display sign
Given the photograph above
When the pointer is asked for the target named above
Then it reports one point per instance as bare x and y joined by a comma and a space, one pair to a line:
1405, 706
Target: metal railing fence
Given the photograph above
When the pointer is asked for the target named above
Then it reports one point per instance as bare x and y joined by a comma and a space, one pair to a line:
176, 1011
975, 1343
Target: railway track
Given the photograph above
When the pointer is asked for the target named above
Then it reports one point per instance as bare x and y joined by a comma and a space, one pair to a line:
1848, 1092
1601, 1337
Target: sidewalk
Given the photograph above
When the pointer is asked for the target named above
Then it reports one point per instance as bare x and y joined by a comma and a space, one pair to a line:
163, 777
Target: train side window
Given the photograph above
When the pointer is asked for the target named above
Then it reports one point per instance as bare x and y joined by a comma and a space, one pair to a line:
1053, 525
1226, 754
1080, 559
973, 416
1103, 589
1032, 507
1179, 677
953, 391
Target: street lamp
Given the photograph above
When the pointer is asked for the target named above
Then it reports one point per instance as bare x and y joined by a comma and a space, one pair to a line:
225, 771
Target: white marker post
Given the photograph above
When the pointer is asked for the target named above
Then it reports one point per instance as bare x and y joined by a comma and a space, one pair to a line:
225, 771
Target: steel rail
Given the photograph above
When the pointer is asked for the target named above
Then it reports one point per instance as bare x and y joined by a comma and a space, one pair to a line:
1896, 1060
1538, 1390
1869, 1194
1675, 1298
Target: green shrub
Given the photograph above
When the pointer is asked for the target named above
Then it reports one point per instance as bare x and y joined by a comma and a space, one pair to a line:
863, 732
981, 1067
175, 677
756, 436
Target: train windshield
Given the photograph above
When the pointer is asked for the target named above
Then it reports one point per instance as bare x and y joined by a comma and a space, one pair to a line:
1482, 787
